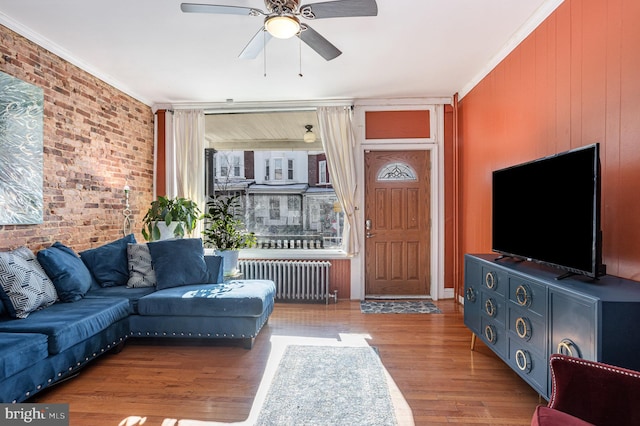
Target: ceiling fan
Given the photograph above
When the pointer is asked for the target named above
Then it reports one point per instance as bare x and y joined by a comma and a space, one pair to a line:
282, 20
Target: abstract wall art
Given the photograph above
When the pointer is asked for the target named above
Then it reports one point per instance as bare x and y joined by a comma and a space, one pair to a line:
21, 152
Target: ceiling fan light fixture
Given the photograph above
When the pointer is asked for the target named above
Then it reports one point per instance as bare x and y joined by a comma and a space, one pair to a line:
309, 136
282, 26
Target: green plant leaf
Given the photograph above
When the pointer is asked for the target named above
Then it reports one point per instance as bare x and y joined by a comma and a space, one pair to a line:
156, 233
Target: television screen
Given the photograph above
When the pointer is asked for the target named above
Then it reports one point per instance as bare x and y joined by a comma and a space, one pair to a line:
548, 211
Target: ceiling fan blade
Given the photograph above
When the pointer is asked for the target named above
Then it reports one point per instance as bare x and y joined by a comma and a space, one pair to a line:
255, 45
220, 9
339, 9
318, 43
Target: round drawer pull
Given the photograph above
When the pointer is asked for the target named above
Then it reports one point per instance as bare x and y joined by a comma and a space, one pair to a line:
523, 360
490, 307
490, 334
471, 294
490, 280
523, 328
523, 295
569, 348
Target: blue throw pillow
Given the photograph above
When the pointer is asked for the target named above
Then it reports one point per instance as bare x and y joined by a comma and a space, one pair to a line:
70, 276
109, 263
24, 285
178, 262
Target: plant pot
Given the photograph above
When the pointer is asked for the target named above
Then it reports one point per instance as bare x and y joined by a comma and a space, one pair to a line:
166, 232
229, 261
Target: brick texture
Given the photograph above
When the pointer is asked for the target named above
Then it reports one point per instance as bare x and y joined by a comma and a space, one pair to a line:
96, 138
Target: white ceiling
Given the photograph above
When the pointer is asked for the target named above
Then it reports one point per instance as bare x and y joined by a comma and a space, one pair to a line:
154, 52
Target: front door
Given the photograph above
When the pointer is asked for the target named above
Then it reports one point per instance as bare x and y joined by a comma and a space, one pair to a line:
397, 223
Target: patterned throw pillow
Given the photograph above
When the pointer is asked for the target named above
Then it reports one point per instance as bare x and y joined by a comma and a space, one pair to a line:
141, 273
24, 286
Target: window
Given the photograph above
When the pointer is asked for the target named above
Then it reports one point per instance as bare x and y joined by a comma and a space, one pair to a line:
229, 164
396, 172
290, 169
277, 169
274, 208
236, 166
322, 172
282, 201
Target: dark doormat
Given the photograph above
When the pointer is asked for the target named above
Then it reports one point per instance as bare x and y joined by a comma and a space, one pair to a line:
398, 307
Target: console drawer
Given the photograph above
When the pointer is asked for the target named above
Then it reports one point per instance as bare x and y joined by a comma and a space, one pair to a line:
495, 280
494, 335
527, 294
527, 327
493, 306
529, 365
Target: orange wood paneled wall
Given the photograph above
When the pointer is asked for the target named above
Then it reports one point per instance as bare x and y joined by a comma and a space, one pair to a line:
340, 277
574, 81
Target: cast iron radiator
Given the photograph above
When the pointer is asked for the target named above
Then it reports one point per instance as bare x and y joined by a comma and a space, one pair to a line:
296, 280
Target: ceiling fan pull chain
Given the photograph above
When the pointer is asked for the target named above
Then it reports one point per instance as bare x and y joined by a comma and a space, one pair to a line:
264, 50
300, 54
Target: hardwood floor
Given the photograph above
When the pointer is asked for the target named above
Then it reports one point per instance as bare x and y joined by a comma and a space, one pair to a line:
427, 355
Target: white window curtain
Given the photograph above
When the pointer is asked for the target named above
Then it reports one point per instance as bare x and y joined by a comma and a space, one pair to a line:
338, 140
185, 159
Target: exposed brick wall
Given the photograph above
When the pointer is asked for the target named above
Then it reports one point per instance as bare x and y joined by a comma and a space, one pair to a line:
95, 139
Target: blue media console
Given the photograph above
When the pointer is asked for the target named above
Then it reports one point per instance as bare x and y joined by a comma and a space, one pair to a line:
524, 314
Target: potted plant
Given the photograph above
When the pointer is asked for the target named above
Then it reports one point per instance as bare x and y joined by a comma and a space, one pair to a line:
177, 215
225, 231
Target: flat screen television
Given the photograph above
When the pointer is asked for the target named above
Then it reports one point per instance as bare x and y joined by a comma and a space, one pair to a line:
548, 211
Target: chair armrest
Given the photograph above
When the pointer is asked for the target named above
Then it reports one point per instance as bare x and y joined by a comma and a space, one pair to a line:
595, 392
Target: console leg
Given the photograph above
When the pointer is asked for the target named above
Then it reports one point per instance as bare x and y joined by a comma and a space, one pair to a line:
473, 341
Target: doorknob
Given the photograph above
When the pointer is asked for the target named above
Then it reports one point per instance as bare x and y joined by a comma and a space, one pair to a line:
367, 226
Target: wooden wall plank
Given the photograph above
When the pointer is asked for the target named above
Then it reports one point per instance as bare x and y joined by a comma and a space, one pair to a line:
629, 208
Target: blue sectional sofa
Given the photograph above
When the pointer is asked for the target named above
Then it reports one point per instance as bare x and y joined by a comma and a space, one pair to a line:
61, 310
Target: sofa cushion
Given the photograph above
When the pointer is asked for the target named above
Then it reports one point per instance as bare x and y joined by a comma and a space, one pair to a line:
141, 273
21, 350
122, 292
70, 276
68, 324
24, 285
215, 266
108, 263
243, 298
178, 262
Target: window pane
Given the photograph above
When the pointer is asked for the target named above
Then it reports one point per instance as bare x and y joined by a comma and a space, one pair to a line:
274, 208
290, 170
277, 169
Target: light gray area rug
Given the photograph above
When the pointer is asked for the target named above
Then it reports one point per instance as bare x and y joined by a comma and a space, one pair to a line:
328, 385
398, 307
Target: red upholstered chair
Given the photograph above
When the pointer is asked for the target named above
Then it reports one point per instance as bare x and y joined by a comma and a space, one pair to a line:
588, 392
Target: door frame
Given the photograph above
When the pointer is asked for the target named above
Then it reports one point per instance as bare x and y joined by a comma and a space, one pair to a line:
433, 144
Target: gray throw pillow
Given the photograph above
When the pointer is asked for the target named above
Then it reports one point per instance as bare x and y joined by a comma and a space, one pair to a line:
141, 273
24, 286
